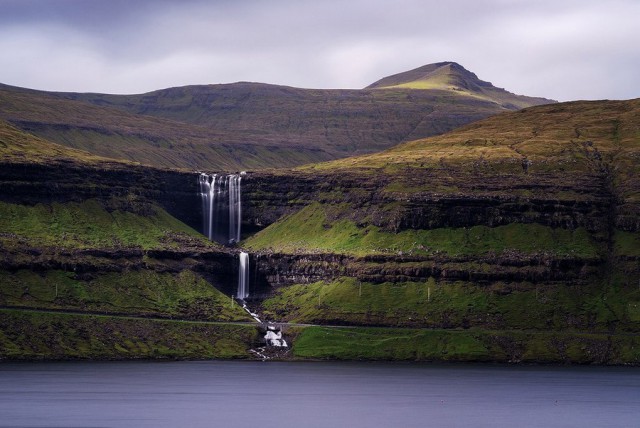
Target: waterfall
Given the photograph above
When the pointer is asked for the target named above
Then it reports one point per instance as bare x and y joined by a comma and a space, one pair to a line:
274, 337
235, 207
221, 207
243, 277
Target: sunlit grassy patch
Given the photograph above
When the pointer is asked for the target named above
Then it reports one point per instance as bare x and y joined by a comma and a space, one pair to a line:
318, 228
88, 224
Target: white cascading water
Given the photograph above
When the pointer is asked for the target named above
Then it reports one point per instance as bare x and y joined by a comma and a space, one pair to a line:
274, 337
235, 207
221, 222
243, 277
221, 207
207, 200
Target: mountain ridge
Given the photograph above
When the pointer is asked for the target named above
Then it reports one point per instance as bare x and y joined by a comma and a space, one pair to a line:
245, 125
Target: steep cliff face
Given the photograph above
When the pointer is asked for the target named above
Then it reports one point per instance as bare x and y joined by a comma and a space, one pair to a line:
436, 198
289, 269
125, 186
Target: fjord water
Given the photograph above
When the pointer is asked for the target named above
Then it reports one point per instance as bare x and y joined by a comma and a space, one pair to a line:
257, 394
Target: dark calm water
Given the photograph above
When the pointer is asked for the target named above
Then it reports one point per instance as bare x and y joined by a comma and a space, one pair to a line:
255, 394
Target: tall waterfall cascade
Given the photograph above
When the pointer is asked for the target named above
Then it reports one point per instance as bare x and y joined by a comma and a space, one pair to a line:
221, 207
243, 277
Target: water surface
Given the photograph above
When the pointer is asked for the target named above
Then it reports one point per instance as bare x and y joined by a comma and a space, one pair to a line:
257, 394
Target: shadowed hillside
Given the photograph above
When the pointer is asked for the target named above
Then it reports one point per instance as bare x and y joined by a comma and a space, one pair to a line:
251, 125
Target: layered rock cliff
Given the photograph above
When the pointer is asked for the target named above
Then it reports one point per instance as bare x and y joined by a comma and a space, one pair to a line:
524, 221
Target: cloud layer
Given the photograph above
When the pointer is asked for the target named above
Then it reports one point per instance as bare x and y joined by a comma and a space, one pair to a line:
564, 50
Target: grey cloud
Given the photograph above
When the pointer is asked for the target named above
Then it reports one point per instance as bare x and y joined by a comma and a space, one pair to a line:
563, 50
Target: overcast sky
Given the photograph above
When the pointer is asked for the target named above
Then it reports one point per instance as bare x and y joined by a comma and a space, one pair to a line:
561, 49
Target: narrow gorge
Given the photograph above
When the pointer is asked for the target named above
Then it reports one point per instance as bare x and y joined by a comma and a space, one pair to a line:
221, 198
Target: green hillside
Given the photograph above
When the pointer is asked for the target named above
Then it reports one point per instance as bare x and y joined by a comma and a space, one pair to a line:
450, 76
512, 239
19, 146
522, 228
92, 266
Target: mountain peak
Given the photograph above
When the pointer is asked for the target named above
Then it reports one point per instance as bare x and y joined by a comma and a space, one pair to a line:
452, 77
446, 75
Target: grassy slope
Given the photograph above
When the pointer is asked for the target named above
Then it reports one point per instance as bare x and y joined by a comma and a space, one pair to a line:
18, 146
465, 345
90, 225
315, 229
141, 293
448, 76
116, 134
442, 303
338, 122
57, 230
31, 335
55, 238
557, 137
566, 141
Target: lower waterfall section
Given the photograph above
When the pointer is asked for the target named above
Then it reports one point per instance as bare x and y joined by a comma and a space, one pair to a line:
243, 277
275, 345
274, 337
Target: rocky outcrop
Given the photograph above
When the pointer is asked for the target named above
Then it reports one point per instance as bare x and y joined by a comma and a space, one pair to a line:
217, 267
416, 199
287, 269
